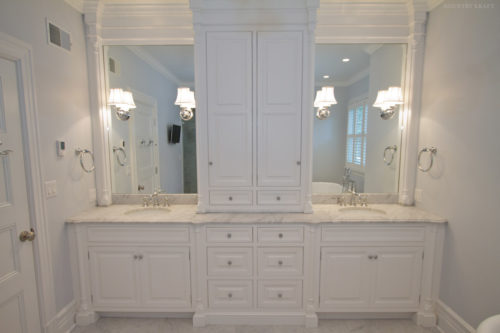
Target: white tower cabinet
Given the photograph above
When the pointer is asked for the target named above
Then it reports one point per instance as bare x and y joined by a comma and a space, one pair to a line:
254, 91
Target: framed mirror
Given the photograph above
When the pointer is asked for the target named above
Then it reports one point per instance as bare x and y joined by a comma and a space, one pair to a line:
356, 145
150, 147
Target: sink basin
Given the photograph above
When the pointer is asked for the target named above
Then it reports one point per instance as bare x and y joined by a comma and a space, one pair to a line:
147, 211
362, 210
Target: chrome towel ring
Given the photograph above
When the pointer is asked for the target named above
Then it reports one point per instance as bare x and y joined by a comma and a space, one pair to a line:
82, 152
393, 150
123, 160
432, 151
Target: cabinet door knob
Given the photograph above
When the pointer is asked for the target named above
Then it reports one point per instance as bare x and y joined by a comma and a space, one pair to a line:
280, 263
280, 295
375, 257
278, 198
230, 295
210, 163
298, 162
230, 198
229, 235
280, 235
135, 256
370, 257
229, 263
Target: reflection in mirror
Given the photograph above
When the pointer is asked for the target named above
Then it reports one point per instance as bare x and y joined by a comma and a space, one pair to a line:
151, 148
357, 147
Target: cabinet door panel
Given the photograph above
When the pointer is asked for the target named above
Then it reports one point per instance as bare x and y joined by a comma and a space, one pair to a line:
113, 276
279, 82
165, 276
229, 84
345, 278
397, 277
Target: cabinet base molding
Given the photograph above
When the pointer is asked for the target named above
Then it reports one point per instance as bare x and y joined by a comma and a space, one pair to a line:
255, 318
365, 315
84, 318
425, 319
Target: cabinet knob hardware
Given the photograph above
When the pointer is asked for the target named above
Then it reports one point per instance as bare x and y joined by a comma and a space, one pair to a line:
278, 198
230, 295
280, 235
280, 295
136, 256
230, 198
210, 163
280, 263
375, 257
27, 235
229, 263
370, 257
298, 162
229, 235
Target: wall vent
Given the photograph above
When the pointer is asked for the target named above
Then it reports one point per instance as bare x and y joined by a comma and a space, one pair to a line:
113, 66
58, 37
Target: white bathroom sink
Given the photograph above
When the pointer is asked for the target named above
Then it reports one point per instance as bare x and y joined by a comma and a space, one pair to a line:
362, 210
147, 211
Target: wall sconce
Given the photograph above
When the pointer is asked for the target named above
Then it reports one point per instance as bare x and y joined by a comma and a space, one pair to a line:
123, 101
387, 101
324, 99
185, 99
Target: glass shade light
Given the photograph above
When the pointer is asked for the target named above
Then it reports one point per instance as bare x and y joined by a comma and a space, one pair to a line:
185, 99
387, 100
123, 101
324, 98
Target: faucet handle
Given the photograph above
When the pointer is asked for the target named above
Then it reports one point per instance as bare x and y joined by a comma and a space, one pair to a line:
364, 200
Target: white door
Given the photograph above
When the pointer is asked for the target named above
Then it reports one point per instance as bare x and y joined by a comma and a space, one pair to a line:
146, 154
229, 80
113, 276
18, 298
165, 277
345, 277
397, 277
279, 91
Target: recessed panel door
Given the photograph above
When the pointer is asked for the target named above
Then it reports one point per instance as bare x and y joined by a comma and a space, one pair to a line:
18, 298
279, 91
229, 80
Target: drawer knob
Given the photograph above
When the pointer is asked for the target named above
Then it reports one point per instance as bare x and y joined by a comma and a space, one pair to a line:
230, 295
375, 257
280, 262
210, 163
298, 162
230, 198
280, 295
229, 263
229, 235
280, 235
278, 198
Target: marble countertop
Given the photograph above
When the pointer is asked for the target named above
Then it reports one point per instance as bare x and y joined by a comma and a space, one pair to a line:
382, 213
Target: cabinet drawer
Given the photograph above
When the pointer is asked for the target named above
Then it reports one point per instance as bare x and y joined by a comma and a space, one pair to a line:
229, 294
372, 234
229, 235
229, 261
280, 261
283, 235
279, 293
278, 197
230, 197
116, 234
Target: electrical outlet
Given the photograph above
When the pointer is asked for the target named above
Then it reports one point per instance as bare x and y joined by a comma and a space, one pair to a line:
419, 194
92, 195
50, 188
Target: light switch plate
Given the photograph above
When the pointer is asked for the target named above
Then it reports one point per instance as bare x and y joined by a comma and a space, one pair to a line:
50, 188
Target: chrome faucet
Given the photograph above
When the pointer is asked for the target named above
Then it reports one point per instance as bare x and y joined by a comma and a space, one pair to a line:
354, 199
155, 199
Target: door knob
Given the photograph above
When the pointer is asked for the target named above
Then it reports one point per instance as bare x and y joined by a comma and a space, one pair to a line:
27, 235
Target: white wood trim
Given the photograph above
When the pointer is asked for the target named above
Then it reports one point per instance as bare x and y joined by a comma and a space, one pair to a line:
76, 4
432, 4
64, 321
22, 54
449, 321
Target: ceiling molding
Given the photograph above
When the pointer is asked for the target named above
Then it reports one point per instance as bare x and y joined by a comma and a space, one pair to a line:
431, 4
346, 83
370, 49
155, 64
76, 4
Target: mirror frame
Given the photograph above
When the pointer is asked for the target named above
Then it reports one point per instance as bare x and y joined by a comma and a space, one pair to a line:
103, 29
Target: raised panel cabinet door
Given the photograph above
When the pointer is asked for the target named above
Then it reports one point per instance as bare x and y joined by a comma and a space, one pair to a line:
165, 277
396, 280
279, 98
345, 278
229, 98
113, 276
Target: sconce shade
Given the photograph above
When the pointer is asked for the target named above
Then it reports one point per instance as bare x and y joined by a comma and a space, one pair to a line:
185, 98
380, 101
324, 97
389, 98
123, 100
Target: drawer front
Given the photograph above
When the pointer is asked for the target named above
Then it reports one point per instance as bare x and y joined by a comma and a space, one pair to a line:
283, 235
279, 294
280, 261
229, 294
230, 197
229, 235
278, 197
117, 234
371, 234
229, 261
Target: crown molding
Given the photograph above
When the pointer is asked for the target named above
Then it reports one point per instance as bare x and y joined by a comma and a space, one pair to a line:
431, 4
147, 58
346, 83
76, 4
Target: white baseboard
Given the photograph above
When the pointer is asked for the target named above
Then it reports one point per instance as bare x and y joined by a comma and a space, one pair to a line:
450, 322
254, 318
64, 321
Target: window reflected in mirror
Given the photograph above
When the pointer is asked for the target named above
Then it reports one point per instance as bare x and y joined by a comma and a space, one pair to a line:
356, 145
151, 147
